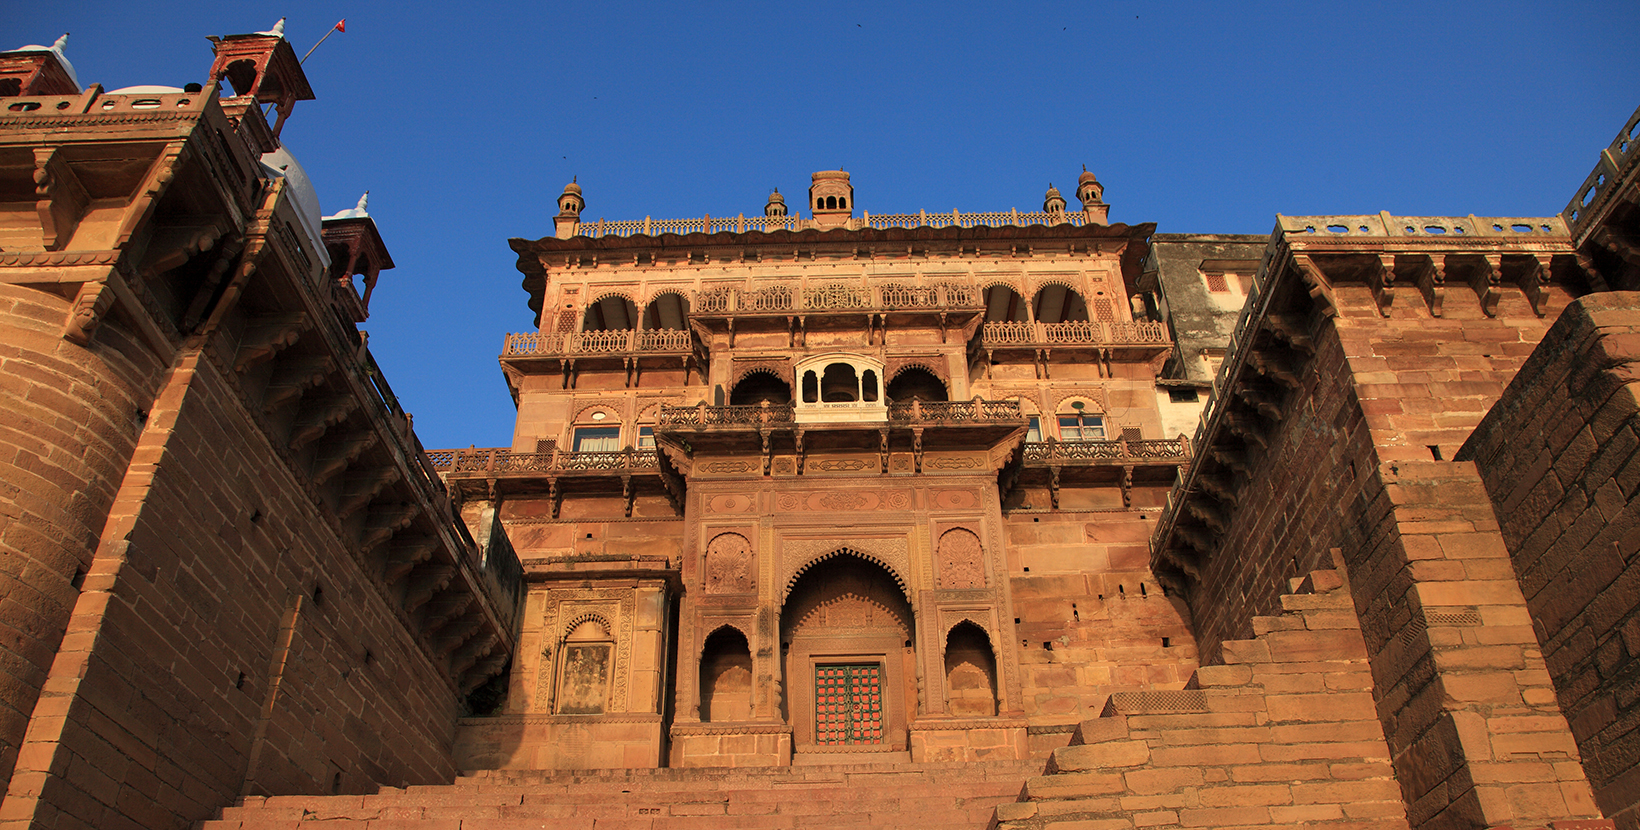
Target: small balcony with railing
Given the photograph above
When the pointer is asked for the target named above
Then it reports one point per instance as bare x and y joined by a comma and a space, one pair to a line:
914, 426
1126, 462
500, 471
613, 336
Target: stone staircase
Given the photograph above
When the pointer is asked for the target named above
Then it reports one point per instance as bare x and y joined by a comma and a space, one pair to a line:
835, 797
1283, 734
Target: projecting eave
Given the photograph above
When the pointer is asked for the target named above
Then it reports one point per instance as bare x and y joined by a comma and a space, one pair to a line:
872, 243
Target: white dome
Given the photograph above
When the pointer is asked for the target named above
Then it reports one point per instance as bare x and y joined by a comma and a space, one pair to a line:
148, 89
280, 163
56, 49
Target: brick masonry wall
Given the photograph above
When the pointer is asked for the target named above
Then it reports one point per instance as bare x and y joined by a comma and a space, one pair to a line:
1282, 734
1461, 688
69, 420
1091, 617
1558, 458
226, 641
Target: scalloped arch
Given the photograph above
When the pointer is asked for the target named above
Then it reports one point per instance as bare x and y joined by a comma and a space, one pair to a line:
1063, 405
606, 293
797, 574
758, 369
968, 618
590, 616
1063, 282
732, 626
684, 294
900, 369
585, 412
1011, 282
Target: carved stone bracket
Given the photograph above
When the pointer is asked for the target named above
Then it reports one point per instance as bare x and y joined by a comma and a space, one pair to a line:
1535, 281
61, 200
90, 304
1384, 290
266, 336
1485, 282
1320, 288
1432, 282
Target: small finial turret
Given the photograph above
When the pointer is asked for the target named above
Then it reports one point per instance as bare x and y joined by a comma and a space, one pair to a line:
776, 205
1092, 195
570, 204
1052, 202
278, 29
61, 43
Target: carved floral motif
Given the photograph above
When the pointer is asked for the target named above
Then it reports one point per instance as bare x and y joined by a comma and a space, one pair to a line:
729, 565
962, 560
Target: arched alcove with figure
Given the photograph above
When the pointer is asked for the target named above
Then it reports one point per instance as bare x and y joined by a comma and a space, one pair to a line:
586, 658
759, 386
725, 677
846, 631
916, 383
970, 672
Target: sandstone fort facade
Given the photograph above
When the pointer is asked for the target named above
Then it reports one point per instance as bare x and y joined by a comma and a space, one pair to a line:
1012, 519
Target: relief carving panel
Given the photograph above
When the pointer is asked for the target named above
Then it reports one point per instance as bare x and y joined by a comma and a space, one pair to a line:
962, 560
730, 566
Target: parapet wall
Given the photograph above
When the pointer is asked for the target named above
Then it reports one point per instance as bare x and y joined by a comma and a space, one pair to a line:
1558, 456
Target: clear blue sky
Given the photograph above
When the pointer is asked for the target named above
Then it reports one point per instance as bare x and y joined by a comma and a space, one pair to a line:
465, 120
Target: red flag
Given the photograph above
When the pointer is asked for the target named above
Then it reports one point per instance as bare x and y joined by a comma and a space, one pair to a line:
342, 26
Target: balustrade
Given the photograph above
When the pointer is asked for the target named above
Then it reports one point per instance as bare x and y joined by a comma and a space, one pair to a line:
1079, 332
503, 462
1054, 453
765, 224
618, 341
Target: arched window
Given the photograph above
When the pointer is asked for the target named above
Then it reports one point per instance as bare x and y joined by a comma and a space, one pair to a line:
970, 673
1078, 425
811, 387
1058, 304
725, 677
916, 383
868, 386
611, 313
839, 384
587, 656
757, 387
842, 203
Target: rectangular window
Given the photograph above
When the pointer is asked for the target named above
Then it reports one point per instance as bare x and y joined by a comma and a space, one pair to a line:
597, 439
1182, 396
1081, 428
1033, 432
646, 438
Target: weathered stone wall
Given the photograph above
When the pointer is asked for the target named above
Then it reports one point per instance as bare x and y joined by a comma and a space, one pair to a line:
69, 420
1462, 692
226, 641
1092, 618
1558, 458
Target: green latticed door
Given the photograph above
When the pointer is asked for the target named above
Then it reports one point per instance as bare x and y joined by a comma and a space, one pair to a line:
848, 704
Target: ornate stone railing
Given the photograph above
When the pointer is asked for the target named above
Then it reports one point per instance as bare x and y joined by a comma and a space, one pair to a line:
1083, 332
977, 410
618, 341
743, 223
1054, 453
501, 461
836, 297
702, 416
1450, 227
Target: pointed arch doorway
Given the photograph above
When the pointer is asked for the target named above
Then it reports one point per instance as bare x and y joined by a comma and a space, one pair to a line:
846, 633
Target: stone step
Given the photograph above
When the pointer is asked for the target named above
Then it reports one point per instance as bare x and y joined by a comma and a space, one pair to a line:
949, 795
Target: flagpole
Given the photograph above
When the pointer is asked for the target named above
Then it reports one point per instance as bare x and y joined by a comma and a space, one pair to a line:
321, 40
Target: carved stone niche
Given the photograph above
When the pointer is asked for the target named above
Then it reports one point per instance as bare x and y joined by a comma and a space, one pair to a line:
960, 560
729, 564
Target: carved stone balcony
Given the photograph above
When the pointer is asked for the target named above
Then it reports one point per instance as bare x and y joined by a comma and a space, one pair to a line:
500, 470
534, 352
1080, 463
912, 425
1140, 340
